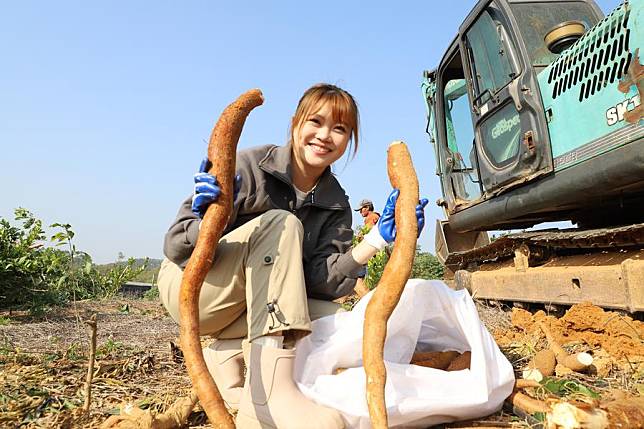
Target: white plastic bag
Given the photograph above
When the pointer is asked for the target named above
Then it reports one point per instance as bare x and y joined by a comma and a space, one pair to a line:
436, 317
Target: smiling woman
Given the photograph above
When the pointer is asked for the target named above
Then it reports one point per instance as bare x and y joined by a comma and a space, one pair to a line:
325, 121
285, 255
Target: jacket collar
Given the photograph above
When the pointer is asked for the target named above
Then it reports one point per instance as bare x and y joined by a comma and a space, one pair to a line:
328, 192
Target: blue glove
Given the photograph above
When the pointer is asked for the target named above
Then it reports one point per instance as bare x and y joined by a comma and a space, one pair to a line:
207, 189
385, 231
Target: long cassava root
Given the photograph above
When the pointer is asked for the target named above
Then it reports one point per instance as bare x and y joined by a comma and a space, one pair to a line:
222, 150
403, 177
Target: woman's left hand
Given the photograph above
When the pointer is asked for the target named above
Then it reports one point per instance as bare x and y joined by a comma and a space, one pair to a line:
385, 230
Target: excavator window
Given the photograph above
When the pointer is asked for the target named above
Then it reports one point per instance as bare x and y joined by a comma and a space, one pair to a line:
502, 133
491, 61
490, 51
460, 140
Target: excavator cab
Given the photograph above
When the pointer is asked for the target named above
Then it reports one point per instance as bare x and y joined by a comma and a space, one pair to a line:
535, 115
484, 103
504, 99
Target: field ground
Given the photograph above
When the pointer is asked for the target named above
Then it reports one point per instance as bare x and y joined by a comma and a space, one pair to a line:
43, 360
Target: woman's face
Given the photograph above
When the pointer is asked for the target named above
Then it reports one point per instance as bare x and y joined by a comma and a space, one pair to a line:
319, 141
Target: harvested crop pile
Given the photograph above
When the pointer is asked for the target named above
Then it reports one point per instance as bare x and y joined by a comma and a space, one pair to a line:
615, 341
619, 335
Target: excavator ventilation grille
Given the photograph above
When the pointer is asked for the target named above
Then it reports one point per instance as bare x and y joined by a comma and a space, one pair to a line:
597, 59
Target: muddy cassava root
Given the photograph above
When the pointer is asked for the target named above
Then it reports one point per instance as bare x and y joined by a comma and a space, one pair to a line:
222, 150
403, 177
577, 362
436, 360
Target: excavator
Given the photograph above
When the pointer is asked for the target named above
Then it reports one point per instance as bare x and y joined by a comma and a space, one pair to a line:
535, 116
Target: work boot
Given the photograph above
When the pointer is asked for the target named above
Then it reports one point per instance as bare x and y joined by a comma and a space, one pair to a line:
225, 362
271, 399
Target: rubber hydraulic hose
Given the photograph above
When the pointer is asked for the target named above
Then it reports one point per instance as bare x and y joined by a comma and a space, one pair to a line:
222, 150
396, 273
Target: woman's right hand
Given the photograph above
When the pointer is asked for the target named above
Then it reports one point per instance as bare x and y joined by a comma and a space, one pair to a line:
207, 189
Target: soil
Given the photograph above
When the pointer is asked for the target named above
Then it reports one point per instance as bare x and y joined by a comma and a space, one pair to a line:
43, 360
43, 364
584, 327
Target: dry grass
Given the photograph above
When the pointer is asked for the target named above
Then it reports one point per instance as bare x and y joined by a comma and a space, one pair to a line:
43, 363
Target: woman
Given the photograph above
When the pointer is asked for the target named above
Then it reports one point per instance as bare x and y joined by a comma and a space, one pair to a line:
289, 208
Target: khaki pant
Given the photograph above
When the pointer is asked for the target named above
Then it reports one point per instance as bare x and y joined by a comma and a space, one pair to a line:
256, 281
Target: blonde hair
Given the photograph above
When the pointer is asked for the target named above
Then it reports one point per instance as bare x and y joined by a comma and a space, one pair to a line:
343, 108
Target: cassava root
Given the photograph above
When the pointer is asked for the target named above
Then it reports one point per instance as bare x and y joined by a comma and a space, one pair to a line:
133, 417
577, 362
522, 383
527, 403
446, 361
396, 273
437, 360
542, 365
222, 150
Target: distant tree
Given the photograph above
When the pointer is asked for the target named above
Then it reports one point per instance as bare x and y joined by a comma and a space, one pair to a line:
35, 272
426, 266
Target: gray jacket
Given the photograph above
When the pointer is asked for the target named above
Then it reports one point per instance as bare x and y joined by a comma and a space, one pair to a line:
329, 268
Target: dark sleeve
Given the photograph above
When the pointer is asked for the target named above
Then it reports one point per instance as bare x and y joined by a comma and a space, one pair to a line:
181, 238
332, 271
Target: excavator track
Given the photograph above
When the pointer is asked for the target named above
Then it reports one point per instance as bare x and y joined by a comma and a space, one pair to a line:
550, 241
604, 266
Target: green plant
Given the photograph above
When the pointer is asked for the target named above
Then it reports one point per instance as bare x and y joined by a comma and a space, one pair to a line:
4, 321
152, 294
426, 266
568, 388
375, 268
74, 352
36, 273
109, 348
376, 264
29, 272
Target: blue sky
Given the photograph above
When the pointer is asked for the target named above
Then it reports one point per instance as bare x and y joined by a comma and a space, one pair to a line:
106, 106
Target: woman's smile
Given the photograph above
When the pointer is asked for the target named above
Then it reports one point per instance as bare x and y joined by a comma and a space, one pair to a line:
319, 141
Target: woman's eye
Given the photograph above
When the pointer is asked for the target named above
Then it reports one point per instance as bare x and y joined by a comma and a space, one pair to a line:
341, 128
315, 121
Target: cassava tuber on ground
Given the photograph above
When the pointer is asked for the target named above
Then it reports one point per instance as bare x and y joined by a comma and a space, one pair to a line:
133, 417
222, 150
577, 362
396, 273
527, 404
542, 365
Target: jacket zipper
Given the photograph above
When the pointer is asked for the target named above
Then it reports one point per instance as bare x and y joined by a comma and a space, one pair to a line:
291, 204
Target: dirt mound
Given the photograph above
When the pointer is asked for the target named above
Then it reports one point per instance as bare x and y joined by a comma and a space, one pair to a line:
586, 324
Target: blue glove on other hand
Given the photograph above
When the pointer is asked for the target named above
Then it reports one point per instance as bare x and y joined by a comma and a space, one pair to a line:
385, 231
207, 189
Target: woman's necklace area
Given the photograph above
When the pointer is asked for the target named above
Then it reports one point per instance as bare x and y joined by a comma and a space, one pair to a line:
306, 192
